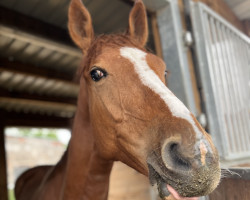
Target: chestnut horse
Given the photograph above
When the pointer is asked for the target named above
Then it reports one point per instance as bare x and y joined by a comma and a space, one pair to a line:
125, 113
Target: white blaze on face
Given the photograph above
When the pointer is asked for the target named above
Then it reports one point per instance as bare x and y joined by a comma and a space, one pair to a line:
151, 80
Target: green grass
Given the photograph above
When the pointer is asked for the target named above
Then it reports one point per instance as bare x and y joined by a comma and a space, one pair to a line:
11, 195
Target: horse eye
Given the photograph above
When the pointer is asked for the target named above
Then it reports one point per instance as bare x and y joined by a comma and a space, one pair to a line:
166, 74
97, 74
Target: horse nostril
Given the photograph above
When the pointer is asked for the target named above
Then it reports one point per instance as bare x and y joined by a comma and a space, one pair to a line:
173, 157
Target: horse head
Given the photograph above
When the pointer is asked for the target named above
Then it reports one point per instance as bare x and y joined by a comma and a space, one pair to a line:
134, 117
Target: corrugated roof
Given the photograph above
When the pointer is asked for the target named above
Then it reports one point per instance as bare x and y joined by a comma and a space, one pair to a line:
15, 81
107, 15
25, 47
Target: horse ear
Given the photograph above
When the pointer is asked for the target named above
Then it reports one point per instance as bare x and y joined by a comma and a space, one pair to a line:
80, 25
138, 24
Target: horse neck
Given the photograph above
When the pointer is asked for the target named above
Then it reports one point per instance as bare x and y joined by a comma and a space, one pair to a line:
87, 174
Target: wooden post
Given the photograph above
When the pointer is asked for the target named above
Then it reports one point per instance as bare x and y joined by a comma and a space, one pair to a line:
3, 166
156, 35
247, 26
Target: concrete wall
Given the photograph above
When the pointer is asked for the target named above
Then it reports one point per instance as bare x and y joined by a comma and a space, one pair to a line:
23, 153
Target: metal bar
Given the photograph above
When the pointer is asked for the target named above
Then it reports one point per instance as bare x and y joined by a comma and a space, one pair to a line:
242, 83
220, 80
227, 88
237, 156
202, 51
241, 87
213, 69
223, 58
236, 89
175, 54
225, 22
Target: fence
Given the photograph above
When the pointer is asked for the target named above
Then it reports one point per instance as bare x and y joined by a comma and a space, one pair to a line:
223, 55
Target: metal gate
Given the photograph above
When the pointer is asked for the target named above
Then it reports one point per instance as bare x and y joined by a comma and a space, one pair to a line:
223, 55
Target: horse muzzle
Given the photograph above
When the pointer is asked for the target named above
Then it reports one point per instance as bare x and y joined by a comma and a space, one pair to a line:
184, 171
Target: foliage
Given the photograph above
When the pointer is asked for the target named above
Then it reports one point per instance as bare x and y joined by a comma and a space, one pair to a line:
11, 195
38, 133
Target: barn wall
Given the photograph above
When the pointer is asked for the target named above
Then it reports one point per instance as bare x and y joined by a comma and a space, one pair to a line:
128, 184
232, 189
224, 10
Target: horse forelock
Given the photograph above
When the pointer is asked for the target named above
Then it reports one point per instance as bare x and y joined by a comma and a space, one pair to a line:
103, 40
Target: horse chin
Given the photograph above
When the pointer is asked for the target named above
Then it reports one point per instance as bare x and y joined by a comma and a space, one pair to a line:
156, 179
179, 187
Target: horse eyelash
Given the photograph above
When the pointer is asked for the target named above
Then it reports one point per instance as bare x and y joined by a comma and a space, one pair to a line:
167, 72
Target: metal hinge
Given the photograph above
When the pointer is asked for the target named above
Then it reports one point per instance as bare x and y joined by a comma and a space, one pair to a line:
202, 119
188, 39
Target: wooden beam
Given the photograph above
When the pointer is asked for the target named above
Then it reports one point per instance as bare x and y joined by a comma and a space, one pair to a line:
3, 165
34, 26
30, 96
32, 120
35, 70
39, 108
